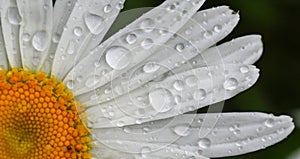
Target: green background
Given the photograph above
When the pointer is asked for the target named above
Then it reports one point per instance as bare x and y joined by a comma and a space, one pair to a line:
277, 89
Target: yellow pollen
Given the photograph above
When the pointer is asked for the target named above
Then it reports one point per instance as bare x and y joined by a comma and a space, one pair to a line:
38, 118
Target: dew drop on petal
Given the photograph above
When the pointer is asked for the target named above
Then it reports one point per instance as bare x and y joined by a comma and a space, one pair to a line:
70, 84
178, 85
92, 81
118, 57
77, 31
151, 67
71, 48
13, 16
217, 28
204, 143
244, 69
131, 38
191, 80
161, 100
94, 23
270, 122
40, 41
147, 43
107, 8
147, 24
179, 47
230, 84
144, 151
199, 94
182, 130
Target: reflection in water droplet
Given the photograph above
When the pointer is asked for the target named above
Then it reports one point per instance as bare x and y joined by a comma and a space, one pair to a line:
94, 23
230, 84
151, 67
13, 16
118, 57
40, 41
161, 100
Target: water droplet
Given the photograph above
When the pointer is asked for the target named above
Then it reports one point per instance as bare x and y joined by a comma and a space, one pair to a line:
244, 69
26, 37
270, 122
230, 84
77, 31
179, 47
177, 99
92, 81
161, 100
204, 143
145, 151
147, 43
71, 48
94, 23
70, 84
147, 24
118, 57
207, 34
40, 41
182, 130
55, 38
107, 8
171, 7
131, 38
151, 67
191, 81
178, 85
199, 94
13, 16
217, 28
120, 123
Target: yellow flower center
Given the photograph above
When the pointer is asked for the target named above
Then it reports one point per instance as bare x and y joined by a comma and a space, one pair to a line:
39, 119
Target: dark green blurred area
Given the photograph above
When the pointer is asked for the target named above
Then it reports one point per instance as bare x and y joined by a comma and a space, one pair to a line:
277, 89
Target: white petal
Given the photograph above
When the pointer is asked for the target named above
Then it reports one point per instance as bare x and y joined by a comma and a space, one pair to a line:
188, 42
61, 13
210, 135
10, 21
3, 57
244, 50
85, 28
176, 94
35, 32
116, 56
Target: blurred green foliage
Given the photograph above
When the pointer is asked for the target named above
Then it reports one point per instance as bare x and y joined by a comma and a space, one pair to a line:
277, 89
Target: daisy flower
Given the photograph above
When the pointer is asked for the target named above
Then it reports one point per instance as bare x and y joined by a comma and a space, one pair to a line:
67, 93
